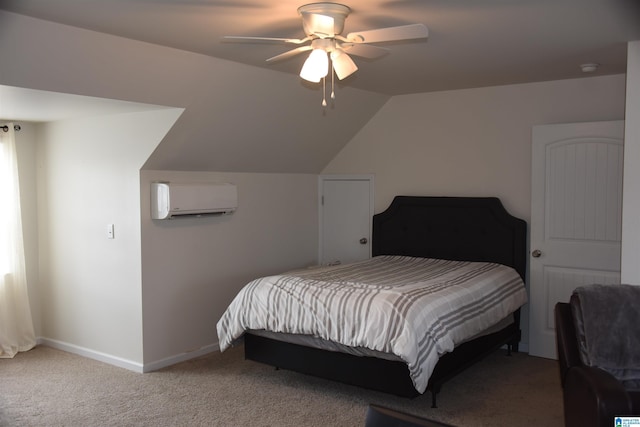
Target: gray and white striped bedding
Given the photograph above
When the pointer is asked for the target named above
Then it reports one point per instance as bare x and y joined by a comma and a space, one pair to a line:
415, 308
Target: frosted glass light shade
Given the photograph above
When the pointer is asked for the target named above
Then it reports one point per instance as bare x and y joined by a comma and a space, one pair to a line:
343, 64
316, 66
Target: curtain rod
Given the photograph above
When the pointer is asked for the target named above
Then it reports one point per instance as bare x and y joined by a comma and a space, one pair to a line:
6, 128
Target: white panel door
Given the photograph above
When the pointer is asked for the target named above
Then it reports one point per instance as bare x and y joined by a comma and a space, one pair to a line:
576, 218
346, 211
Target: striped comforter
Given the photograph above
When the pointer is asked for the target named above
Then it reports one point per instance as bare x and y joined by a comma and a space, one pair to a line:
415, 308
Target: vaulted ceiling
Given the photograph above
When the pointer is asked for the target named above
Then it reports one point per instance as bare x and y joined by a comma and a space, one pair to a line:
472, 43
245, 114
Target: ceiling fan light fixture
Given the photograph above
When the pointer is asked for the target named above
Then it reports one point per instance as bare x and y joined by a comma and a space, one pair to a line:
323, 24
316, 66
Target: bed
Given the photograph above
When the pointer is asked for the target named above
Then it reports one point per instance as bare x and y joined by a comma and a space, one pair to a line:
477, 236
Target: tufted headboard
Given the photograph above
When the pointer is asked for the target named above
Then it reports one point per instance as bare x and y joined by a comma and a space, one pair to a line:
454, 228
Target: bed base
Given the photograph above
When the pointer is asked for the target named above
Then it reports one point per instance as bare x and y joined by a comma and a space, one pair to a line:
373, 373
454, 228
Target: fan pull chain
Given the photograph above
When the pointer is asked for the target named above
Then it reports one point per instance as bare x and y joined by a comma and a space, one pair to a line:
333, 78
324, 92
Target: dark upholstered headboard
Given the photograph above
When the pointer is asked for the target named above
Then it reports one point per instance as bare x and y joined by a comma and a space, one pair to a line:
454, 228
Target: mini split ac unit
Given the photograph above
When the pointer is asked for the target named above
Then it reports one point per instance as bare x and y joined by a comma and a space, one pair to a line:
173, 200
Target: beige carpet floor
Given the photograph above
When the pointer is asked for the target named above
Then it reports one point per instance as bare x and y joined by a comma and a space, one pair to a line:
48, 387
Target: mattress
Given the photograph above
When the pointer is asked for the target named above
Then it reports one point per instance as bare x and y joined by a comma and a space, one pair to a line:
413, 308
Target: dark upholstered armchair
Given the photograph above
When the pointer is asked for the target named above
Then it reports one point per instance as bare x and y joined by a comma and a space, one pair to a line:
598, 338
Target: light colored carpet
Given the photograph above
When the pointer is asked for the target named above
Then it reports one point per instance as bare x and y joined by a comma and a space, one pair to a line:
48, 387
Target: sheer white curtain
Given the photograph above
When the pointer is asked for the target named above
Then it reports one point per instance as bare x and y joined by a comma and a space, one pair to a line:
16, 325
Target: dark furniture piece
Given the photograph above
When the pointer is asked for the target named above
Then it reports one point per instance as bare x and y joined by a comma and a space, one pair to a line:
592, 396
378, 416
453, 228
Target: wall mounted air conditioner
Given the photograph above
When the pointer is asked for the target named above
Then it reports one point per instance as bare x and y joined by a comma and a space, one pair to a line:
173, 200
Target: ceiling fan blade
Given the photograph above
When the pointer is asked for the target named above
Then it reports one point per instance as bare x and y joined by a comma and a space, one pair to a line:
343, 65
252, 39
315, 23
403, 32
289, 53
365, 50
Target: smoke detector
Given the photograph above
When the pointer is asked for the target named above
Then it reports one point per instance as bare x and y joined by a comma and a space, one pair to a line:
589, 68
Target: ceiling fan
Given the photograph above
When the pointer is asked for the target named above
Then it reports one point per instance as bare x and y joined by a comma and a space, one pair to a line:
323, 24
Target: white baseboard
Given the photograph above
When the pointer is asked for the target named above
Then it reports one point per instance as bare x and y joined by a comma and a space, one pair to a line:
92, 354
172, 360
124, 363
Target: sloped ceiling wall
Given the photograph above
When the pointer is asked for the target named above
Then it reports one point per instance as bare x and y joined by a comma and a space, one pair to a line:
237, 118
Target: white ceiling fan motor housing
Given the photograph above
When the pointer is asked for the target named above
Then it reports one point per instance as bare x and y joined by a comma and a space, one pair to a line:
313, 14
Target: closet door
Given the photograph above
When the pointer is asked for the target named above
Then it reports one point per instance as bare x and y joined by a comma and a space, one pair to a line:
346, 211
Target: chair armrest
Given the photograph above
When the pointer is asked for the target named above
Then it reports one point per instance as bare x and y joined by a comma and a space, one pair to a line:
593, 397
566, 340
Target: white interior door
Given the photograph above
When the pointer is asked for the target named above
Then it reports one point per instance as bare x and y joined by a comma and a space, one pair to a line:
576, 216
346, 211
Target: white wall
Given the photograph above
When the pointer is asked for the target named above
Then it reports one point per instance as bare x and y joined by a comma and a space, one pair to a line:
151, 296
88, 177
192, 268
630, 268
473, 142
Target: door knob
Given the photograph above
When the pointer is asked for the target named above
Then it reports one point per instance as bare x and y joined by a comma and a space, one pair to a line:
363, 241
536, 253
